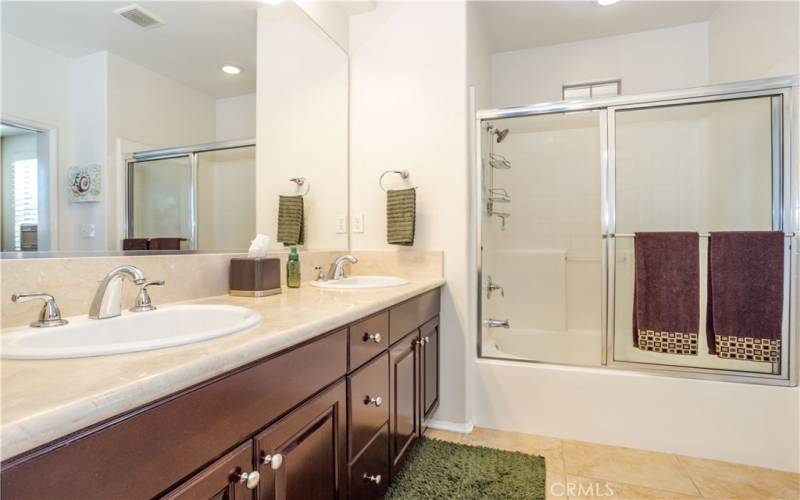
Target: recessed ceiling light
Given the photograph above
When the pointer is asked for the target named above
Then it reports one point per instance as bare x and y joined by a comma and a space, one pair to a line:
272, 2
231, 69
605, 3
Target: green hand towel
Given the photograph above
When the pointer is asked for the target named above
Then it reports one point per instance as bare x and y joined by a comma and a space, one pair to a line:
290, 220
401, 216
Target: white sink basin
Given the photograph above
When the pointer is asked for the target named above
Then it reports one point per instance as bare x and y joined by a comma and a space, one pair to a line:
131, 332
361, 282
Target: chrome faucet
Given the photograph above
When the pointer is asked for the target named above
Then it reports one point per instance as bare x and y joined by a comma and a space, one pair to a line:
49, 316
336, 271
107, 301
497, 323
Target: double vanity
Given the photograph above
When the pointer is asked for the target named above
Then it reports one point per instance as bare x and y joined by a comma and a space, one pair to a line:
319, 394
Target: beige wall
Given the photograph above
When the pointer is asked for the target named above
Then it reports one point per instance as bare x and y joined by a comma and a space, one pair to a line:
749, 40
409, 111
302, 123
649, 61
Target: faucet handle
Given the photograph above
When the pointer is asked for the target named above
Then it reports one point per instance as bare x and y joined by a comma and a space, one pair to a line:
320, 274
50, 315
143, 302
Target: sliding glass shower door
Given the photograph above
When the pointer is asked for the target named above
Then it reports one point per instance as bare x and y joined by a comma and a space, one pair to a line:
542, 244
203, 195
699, 166
564, 187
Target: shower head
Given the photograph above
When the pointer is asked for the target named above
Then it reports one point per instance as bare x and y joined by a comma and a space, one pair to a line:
501, 134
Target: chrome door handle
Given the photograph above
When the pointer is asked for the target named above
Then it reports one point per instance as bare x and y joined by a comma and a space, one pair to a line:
497, 323
250, 479
377, 401
375, 337
274, 461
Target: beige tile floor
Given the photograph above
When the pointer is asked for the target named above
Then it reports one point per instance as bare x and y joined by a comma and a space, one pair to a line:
576, 469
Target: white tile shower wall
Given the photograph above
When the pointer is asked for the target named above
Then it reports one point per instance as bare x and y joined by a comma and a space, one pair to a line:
548, 257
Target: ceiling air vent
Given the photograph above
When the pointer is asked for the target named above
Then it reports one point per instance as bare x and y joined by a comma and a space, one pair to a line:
139, 16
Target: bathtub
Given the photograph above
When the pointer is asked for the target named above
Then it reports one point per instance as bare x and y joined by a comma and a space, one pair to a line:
570, 347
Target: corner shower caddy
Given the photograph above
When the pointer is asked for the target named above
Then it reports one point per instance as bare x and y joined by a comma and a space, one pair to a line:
785, 196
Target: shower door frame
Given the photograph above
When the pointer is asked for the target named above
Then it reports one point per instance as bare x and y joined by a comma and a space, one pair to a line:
190, 152
783, 92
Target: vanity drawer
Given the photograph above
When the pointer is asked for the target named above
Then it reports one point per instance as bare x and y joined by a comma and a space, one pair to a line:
410, 315
369, 473
368, 338
369, 402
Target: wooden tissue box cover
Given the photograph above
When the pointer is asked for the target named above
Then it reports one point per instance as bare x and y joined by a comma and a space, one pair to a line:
255, 277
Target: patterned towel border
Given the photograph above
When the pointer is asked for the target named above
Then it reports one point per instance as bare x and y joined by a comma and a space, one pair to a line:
668, 342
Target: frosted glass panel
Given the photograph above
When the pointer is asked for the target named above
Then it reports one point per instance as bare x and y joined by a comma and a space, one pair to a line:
547, 256
695, 167
161, 198
226, 199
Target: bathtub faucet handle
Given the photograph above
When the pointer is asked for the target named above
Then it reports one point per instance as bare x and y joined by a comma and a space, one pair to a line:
497, 323
491, 286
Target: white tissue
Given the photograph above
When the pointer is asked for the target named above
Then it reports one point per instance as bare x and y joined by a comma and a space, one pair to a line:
259, 246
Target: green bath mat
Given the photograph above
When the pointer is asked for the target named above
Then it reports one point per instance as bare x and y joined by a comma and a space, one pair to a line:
439, 470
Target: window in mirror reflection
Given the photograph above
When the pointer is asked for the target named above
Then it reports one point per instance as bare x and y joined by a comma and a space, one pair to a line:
21, 178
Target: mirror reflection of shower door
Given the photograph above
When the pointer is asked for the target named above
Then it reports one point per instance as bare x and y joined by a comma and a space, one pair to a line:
226, 198
548, 256
160, 201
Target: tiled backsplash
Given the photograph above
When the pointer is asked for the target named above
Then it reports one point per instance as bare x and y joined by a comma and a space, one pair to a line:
74, 281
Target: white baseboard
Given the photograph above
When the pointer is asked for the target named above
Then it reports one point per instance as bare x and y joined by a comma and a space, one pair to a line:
444, 425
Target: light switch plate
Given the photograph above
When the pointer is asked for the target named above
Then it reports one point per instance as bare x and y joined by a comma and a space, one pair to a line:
358, 223
341, 224
87, 230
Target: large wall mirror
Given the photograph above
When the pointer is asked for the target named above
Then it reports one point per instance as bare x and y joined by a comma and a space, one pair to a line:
170, 126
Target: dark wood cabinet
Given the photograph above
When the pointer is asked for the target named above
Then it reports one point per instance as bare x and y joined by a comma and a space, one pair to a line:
303, 454
369, 472
404, 417
225, 479
429, 369
330, 418
369, 402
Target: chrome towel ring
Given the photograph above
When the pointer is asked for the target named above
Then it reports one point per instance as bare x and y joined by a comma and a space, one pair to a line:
301, 181
404, 174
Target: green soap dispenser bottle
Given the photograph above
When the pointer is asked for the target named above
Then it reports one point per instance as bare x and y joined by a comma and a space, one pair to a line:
293, 268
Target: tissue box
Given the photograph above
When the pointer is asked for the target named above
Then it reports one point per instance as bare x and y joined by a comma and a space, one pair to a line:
255, 276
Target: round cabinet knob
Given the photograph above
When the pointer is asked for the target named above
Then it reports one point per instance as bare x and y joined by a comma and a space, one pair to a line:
377, 401
250, 479
370, 478
375, 337
275, 461
426, 339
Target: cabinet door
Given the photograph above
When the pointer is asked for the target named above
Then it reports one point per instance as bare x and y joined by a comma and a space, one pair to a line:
303, 454
403, 398
429, 362
225, 479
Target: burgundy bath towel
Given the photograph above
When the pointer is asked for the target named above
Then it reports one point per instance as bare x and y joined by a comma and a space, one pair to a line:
745, 295
666, 295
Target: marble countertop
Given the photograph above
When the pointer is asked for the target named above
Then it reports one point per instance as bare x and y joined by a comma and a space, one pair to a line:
42, 400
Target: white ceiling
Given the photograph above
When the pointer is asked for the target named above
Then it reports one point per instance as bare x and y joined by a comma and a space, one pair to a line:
198, 37
522, 25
